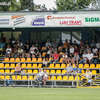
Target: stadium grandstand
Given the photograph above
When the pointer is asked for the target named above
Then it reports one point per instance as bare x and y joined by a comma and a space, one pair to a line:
64, 48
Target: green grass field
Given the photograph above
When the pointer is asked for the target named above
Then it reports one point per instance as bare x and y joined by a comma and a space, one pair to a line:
49, 93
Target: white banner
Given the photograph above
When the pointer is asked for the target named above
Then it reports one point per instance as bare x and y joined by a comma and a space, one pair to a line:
49, 20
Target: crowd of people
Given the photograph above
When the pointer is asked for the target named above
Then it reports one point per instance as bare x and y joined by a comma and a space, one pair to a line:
70, 52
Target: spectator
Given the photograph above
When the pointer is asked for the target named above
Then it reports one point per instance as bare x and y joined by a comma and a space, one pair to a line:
17, 69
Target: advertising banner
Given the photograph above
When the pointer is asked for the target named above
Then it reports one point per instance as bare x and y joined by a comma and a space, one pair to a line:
50, 20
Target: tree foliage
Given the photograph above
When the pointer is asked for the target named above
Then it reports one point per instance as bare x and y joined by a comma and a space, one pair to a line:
64, 5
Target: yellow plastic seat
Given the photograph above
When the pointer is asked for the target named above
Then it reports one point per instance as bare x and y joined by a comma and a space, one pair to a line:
12, 71
63, 65
22, 59
7, 71
97, 65
39, 60
51, 66
23, 66
34, 59
59, 77
30, 78
12, 66
34, 77
47, 71
64, 71
86, 66
57, 66
17, 60
58, 71
2, 77
2, 71
34, 66
14, 77
7, 77
83, 71
35, 71
53, 77
80, 65
29, 66
39, 65
6, 59
52, 72
12, 59
71, 78
19, 77
74, 66
92, 65
29, 71
1, 65
65, 78
6, 65
50, 59
61, 60
43, 54
24, 77
28, 59
77, 78
94, 72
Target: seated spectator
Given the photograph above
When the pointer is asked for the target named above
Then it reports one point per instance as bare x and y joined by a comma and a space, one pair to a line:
71, 50
45, 77
18, 69
8, 50
75, 59
55, 57
69, 69
84, 58
48, 43
66, 59
32, 49
89, 56
45, 63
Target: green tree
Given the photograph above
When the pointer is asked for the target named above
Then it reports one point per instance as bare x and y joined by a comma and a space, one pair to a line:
27, 4
14, 6
64, 5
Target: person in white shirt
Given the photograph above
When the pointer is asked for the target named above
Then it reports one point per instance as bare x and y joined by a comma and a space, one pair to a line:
8, 50
71, 49
45, 77
89, 55
32, 49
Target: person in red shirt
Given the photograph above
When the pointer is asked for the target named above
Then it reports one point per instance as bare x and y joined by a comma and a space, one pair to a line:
55, 56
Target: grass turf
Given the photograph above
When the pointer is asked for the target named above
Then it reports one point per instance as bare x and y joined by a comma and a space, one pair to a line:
49, 93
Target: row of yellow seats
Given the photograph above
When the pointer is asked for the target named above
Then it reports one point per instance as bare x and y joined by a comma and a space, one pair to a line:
50, 66
48, 71
22, 65
89, 66
35, 71
18, 77
24, 59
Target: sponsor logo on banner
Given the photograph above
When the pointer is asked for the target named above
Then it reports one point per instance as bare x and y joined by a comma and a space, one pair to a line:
65, 20
4, 21
71, 22
92, 19
58, 17
38, 21
17, 20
